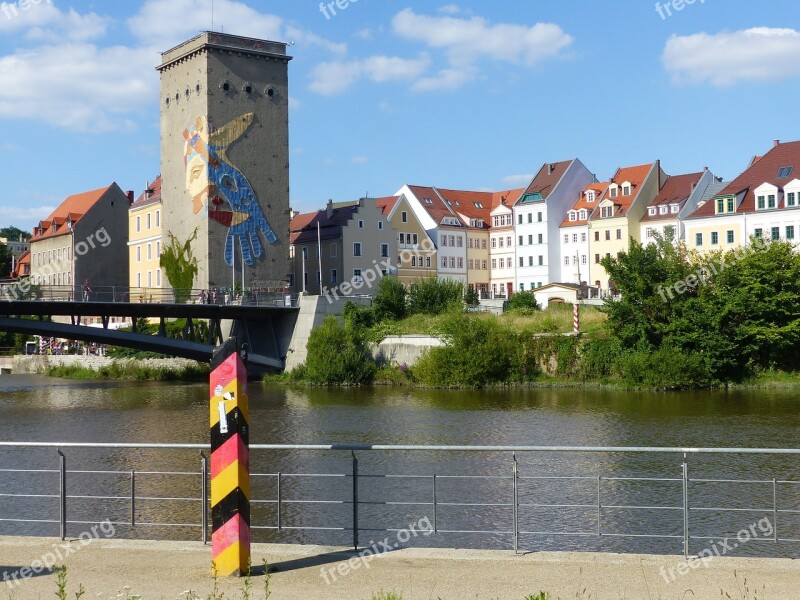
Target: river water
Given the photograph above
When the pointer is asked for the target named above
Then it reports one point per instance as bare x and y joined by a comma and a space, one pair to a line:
34, 408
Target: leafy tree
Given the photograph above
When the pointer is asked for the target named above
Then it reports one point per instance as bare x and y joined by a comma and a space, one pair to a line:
523, 301
433, 296
5, 261
471, 297
390, 301
14, 233
180, 266
338, 354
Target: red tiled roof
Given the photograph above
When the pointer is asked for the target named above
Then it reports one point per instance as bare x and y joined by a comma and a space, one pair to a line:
599, 189
463, 202
23, 261
676, 190
386, 204
438, 209
151, 198
74, 206
764, 170
636, 177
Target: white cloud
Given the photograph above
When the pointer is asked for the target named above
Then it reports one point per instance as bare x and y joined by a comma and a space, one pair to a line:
450, 9
24, 217
77, 87
360, 160
365, 34
165, 23
334, 77
465, 41
446, 80
751, 55
517, 180
44, 20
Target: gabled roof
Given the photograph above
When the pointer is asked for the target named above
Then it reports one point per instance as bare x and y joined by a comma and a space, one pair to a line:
599, 189
763, 170
151, 195
23, 260
477, 205
636, 176
303, 227
434, 204
546, 179
386, 204
73, 208
676, 190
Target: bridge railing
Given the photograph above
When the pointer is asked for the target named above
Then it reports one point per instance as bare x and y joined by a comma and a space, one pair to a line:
149, 295
507, 496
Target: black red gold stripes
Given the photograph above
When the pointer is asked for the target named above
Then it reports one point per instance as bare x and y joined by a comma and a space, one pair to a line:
230, 462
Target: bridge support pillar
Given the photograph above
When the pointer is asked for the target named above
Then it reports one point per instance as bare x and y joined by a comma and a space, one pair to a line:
230, 465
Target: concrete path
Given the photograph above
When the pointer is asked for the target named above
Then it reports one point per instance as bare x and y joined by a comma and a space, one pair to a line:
117, 569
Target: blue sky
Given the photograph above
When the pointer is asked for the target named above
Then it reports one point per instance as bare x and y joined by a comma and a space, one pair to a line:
469, 95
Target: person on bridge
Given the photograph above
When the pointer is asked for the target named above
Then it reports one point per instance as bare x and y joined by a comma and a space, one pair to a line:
202, 296
86, 290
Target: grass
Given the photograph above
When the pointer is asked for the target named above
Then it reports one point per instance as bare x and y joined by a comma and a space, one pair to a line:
556, 319
130, 371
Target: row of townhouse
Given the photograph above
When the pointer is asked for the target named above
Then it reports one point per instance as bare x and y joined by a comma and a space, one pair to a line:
556, 230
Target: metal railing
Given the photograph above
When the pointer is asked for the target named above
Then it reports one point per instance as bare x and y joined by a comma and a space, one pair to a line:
144, 295
782, 502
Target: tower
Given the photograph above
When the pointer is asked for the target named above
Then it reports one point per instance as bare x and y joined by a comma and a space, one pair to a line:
225, 157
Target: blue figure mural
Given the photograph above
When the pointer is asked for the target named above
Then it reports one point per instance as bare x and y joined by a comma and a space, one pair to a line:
216, 183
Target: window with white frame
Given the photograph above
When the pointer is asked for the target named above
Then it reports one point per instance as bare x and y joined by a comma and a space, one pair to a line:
357, 276
356, 248
674, 208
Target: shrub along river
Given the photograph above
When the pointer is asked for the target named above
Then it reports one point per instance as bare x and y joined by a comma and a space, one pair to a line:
640, 494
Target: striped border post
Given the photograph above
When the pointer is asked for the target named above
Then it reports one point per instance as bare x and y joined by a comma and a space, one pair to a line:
230, 462
576, 318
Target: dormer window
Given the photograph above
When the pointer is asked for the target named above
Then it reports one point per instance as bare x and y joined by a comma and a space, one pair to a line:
590, 196
573, 216
651, 211
761, 202
662, 210
613, 191
673, 208
607, 212
584, 214
626, 189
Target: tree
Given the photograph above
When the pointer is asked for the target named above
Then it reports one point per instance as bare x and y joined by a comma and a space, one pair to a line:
5, 261
14, 233
390, 301
523, 301
433, 296
180, 266
338, 354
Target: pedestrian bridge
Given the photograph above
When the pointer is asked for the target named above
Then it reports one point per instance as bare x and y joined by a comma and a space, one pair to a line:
264, 322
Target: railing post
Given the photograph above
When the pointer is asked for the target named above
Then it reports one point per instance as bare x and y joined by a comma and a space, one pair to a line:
599, 509
204, 495
280, 526
774, 510
133, 498
62, 494
355, 501
685, 468
516, 507
435, 527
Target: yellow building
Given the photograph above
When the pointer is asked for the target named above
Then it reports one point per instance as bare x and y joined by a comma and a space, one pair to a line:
619, 213
417, 252
144, 244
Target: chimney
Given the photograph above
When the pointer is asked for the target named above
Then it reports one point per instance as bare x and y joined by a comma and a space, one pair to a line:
129, 193
777, 143
550, 168
329, 208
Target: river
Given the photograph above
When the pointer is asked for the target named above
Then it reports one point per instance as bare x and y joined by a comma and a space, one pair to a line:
34, 408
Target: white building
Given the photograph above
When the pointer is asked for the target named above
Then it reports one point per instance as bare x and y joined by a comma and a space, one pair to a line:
574, 235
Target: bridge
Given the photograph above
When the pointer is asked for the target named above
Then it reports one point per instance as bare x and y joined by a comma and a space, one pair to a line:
263, 321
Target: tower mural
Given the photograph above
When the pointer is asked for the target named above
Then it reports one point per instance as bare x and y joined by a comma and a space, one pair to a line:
225, 157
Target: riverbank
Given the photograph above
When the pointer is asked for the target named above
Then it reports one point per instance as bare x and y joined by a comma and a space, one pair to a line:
124, 569
103, 367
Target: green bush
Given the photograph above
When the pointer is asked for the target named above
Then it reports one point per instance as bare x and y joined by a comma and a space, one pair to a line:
665, 369
479, 352
338, 354
390, 302
523, 301
598, 359
471, 297
358, 316
433, 297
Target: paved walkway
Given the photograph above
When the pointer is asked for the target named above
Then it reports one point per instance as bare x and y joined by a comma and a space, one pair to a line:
110, 569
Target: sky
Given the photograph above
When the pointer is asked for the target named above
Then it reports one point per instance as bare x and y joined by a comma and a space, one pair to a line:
467, 95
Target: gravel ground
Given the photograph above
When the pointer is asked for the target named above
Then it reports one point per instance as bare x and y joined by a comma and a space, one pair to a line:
119, 569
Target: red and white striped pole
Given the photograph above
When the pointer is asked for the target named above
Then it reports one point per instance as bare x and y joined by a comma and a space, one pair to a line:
576, 318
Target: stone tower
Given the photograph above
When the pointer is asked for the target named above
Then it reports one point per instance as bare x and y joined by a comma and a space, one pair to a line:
225, 157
